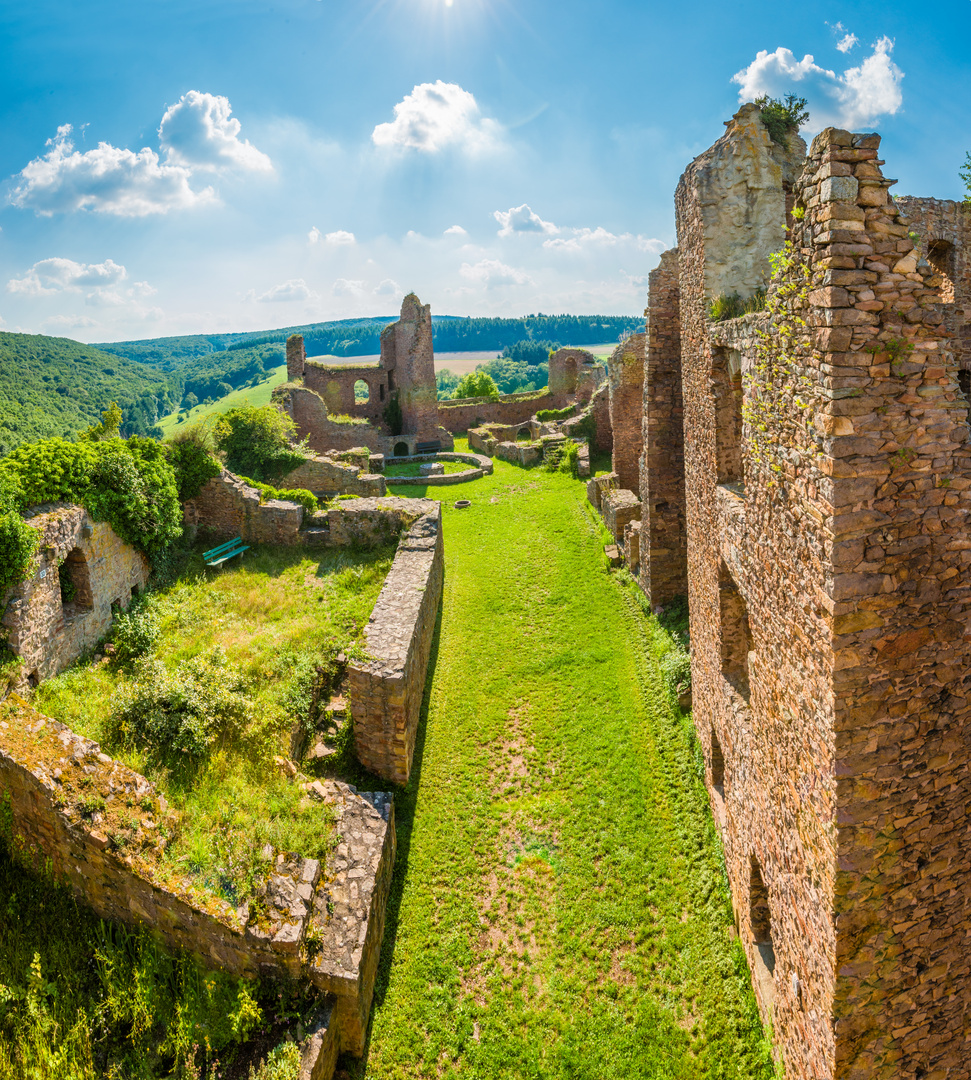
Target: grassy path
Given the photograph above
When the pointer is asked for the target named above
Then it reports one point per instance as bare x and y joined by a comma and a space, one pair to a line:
559, 908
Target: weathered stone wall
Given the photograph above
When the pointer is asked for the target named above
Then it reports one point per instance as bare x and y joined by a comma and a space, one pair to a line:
296, 357
406, 350
335, 384
226, 508
619, 507
509, 409
49, 775
309, 413
325, 477
827, 486
943, 229
48, 633
625, 381
600, 404
369, 522
386, 693
663, 550
564, 370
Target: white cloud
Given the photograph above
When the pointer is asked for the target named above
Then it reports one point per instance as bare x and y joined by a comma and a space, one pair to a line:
199, 132
846, 43
520, 219
455, 230
295, 289
491, 273
68, 322
107, 180
584, 239
436, 115
344, 287
314, 235
857, 97
340, 238
389, 287
57, 275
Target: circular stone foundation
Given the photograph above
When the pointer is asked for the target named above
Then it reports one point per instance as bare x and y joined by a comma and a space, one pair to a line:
478, 465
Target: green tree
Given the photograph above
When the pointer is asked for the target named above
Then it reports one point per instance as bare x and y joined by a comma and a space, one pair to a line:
966, 177
783, 117
476, 384
258, 441
108, 428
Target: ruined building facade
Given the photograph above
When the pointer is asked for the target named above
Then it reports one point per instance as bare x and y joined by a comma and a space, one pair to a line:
812, 499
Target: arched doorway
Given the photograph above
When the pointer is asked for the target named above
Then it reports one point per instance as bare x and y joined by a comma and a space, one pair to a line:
75, 582
401, 449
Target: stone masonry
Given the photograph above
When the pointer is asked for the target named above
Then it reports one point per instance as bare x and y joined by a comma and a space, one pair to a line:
625, 379
663, 572
386, 692
828, 486
47, 631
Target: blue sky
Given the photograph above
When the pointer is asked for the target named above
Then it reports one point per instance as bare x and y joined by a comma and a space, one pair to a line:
183, 167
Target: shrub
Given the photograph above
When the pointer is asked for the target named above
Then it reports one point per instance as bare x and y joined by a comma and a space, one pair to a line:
134, 632
257, 441
306, 498
281, 1063
476, 384
966, 177
190, 453
676, 668
556, 414
182, 712
782, 117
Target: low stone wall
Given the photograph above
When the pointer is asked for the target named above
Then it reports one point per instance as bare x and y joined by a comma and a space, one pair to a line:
226, 508
65, 797
325, 477
510, 409
618, 507
47, 632
598, 486
386, 693
364, 522
519, 453
479, 466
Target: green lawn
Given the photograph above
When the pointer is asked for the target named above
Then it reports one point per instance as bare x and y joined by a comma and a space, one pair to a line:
412, 468
560, 907
250, 395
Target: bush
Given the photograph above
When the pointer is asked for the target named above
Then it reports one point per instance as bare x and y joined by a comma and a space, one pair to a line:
182, 712
18, 543
782, 117
556, 414
190, 453
306, 498
281, 1063
257, 441
676, 669
476, 384
134, 632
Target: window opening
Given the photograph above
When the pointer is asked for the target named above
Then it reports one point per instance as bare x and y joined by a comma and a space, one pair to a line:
760, 917
736, 634
726, 377
362, 392
75, 582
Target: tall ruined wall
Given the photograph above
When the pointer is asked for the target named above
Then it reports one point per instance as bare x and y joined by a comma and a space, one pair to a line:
49, 632
226, 508
625, 379
309, 413
827, 478
943, 229
386, 692
406, 350
336, 385
663, 553
600, 408
296, 357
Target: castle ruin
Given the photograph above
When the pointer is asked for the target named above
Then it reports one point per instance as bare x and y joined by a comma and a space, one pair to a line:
805, 477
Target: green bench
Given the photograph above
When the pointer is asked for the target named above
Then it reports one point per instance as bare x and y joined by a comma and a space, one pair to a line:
220, 554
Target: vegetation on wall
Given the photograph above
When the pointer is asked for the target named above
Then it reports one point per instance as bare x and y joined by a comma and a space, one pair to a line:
965, 173
191, 453
783, 117
258, 441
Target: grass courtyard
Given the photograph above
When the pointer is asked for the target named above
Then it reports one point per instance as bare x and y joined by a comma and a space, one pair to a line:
559, 907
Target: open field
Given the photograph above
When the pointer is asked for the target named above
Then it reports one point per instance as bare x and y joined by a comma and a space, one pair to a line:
560, 907
250, 395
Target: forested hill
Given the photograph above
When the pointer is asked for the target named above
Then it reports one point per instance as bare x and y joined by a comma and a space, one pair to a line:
360, 337
55, 386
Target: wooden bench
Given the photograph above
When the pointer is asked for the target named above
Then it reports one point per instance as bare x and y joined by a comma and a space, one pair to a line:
219, 555
428, 447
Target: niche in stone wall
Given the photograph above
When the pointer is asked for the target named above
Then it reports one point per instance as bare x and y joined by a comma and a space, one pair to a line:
760, 918
736, 635
941, 255
362, 392
726, 384
717, 765
964, 382
75, 582
401, 449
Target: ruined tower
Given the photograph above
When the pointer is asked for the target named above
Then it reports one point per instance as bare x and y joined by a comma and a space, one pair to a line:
625, 379
827, 490
406, 352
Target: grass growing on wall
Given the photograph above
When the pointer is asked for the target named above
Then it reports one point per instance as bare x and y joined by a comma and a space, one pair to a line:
259, 630
560, 907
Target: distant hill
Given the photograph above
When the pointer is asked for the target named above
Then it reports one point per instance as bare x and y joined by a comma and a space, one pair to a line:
360, 337
56, 386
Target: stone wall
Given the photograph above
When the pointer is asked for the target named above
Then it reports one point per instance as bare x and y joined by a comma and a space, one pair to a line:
828, 475
47, 632
943, 229
226, 508
600, 406
296, 357
625, 381
386, 693
335, 383
49, 775
406, 351
326, 477
309, 413
619, 507
564, 370
509, 409
663, 551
